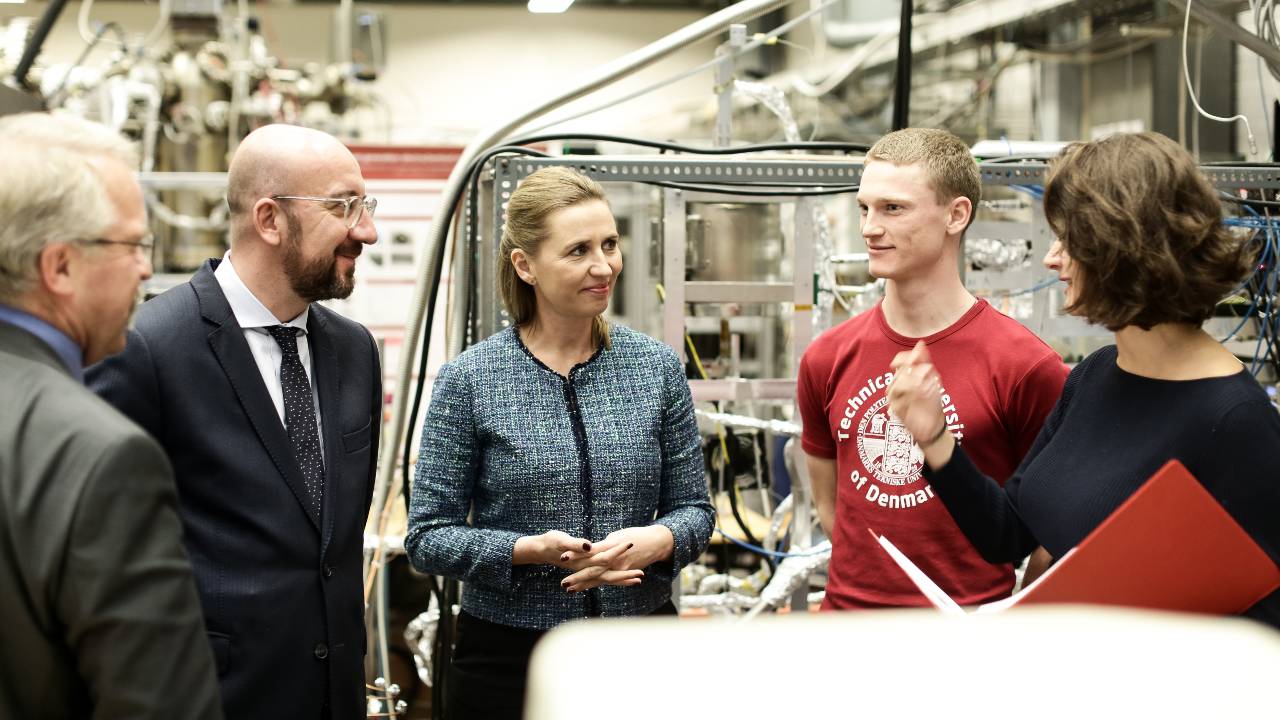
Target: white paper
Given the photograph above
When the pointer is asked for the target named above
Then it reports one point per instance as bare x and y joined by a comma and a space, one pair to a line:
935, 594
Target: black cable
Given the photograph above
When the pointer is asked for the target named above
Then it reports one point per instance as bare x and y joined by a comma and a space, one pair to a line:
1029, 157
902, 70
32, 50
1240, 163
435, 267
473, 191
729, 483
406, 478
677, 147
97, 38
442, 652
1275, 128
437, 671
738, 190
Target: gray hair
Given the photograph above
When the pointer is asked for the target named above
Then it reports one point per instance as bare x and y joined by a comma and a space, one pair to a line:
49, 190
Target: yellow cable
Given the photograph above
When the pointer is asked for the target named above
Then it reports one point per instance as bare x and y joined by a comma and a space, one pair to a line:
702, 371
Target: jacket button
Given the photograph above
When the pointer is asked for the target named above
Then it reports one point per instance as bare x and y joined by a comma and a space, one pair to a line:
321, 651
328, 571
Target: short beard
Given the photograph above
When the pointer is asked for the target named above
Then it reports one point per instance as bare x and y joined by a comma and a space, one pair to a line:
317, 279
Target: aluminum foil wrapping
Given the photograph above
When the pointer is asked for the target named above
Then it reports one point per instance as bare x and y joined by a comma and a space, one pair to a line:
824, 271
780, 519
776, 101
720, 603
993, 254
420, 634
790, 575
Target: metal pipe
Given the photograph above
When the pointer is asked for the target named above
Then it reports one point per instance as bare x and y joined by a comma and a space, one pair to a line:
1230, 28
383, 646
620, 68
33, 48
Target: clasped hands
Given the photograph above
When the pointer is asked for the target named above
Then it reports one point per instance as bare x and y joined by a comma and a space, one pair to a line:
619, 559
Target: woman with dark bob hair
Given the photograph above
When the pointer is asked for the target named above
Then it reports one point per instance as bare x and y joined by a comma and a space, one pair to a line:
1143, 251
560, 474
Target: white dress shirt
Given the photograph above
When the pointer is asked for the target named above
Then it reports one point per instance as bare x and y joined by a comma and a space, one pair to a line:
254, 318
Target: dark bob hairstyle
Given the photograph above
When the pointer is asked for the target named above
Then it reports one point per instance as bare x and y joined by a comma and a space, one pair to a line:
1143, 228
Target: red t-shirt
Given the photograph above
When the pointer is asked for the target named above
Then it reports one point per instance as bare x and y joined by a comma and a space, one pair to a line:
999, 382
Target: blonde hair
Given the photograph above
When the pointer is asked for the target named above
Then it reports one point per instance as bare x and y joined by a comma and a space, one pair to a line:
538, 196
947, 162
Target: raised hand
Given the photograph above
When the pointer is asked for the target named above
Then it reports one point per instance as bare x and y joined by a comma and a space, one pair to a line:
913, 399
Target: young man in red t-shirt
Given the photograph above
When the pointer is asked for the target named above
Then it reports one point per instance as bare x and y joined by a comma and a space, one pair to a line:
918, 194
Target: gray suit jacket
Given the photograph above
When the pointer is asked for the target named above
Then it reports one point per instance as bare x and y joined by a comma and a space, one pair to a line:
98, 610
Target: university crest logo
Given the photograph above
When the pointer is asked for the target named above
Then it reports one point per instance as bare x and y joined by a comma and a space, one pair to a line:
886, 451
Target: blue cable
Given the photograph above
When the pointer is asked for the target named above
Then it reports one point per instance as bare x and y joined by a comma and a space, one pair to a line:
1248, 313
1034, 191
1270, 285
761, 551
1034, 288
1262, 263
1267, 319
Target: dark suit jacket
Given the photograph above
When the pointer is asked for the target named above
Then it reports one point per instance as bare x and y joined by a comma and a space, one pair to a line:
282, 591
98, 611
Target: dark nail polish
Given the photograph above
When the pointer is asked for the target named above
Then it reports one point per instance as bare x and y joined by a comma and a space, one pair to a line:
630, 545
564, 558
586, 547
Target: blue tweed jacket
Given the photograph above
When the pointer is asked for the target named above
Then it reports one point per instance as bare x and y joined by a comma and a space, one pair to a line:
524, 450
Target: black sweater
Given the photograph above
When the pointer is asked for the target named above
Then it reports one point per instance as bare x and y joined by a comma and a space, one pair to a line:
1110, 431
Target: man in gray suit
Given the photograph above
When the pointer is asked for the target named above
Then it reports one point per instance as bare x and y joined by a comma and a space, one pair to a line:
98, 609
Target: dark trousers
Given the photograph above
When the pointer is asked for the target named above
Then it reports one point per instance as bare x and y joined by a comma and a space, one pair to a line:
490, 668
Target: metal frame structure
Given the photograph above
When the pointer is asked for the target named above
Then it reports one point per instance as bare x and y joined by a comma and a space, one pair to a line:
781, 174
771, 173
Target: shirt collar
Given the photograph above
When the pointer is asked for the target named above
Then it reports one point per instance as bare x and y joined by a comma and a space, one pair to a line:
71, 354
248, 309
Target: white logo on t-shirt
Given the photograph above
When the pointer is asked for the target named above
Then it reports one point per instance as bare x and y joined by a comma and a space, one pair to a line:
885, 448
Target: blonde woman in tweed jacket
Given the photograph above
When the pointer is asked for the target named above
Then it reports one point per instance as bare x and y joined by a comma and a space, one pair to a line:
571, 445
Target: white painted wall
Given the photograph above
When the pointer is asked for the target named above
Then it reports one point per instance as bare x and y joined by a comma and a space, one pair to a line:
454, 70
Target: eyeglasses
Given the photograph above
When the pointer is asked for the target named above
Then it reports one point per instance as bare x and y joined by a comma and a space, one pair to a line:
353, 209
144, 245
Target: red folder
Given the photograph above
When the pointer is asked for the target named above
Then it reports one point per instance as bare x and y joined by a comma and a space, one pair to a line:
1170, 546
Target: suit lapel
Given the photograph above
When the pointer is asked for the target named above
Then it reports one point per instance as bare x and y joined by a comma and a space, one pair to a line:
328, 378
229, 346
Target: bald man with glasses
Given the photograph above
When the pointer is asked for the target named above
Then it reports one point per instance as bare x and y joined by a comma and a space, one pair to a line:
269, 406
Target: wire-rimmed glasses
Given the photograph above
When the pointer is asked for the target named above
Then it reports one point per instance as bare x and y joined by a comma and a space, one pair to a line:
354, 207
144, 245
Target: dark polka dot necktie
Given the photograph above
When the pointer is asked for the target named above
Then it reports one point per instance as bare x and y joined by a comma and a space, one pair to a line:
300, 416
